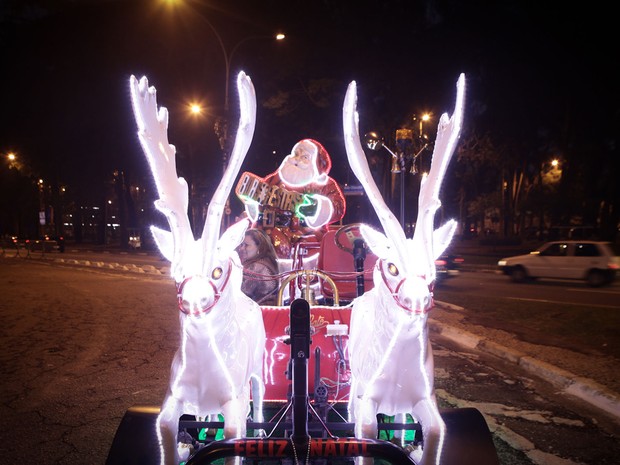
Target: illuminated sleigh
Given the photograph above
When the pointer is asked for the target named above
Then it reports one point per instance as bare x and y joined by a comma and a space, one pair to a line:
297, 364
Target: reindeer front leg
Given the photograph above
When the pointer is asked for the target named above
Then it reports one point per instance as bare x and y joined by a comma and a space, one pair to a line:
234, 419
365, 413
433, 432
234, 423
167, 431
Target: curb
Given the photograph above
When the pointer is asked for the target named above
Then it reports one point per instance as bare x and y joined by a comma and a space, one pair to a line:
583, 388
147, 269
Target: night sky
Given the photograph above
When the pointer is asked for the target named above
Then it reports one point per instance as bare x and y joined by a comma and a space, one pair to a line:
537, 73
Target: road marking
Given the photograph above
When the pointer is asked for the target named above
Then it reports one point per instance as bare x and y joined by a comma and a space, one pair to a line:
564, 303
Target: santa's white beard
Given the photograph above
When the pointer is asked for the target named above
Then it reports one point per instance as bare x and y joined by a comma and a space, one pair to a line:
295, 175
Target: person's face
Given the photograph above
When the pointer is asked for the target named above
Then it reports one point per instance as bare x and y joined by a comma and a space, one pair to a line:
298, 168
248, 249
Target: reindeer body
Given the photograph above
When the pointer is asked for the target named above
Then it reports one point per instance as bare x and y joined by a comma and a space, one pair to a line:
390, 352
392, 362
225, 345
397, 386
222, 331
211, 371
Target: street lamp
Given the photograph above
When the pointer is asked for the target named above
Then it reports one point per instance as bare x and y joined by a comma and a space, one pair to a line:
548, 178
407, 153
13, 161
423, 119
195, 108
550, 172
221, 123
229, 56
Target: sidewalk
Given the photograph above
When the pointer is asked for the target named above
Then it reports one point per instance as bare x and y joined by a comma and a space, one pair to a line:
585, 389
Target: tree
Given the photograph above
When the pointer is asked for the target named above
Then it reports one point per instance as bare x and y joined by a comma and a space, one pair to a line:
477, 178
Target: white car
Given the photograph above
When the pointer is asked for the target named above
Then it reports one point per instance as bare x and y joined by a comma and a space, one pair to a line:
591, 261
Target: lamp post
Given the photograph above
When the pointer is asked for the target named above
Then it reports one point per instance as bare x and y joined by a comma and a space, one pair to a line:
196, 192
407, 154
423, 119
404, 143
42, 219
221, 122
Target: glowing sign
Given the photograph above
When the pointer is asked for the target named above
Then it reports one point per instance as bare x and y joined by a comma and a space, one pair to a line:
272, 448
252, 187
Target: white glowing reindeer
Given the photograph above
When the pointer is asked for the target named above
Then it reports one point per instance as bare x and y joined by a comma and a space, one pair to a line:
389, 349
222, 330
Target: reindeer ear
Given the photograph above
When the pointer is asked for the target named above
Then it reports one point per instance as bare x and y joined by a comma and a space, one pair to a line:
164, 242
376, 241
442, 237
232, 237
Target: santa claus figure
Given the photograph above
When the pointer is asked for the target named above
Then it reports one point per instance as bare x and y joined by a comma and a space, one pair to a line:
297, 201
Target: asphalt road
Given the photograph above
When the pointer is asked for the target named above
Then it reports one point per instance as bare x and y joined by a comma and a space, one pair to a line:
77, 348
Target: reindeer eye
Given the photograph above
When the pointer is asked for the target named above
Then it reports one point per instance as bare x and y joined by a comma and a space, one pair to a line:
392, 269
217, 273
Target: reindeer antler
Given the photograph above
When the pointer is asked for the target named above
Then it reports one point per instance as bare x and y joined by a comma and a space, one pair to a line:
245, 132
359, 165
448, 133
173, 191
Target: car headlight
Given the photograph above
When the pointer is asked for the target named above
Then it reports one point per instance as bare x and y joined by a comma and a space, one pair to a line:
502, 263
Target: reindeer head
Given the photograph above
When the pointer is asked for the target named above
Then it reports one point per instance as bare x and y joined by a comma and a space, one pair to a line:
406, 267
206, 268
